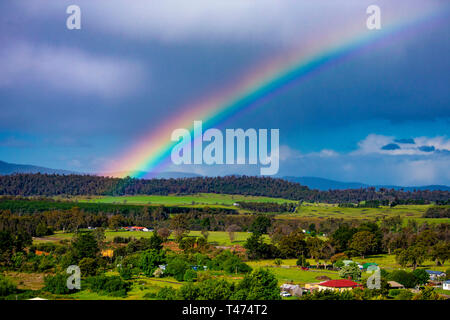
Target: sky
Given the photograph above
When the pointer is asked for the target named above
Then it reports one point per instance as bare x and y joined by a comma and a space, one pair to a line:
78, 99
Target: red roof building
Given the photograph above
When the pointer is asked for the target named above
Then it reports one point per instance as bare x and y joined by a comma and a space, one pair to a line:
339, 285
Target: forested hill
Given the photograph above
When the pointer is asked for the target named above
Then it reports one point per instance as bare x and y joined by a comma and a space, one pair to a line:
50, 185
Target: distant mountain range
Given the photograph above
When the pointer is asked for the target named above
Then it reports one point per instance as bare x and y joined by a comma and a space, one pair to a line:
161, 175
327, 184
10, 168
311, 182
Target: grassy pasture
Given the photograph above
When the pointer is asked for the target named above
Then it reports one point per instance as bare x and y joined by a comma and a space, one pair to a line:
199, 199
219, 238
322, 211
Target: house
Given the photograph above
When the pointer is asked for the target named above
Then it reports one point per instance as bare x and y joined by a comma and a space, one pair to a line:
446, 285
347, 262
396, 285
107, 253
135, 228
337, 285
293, 289
368, 264
41, 253
435, 275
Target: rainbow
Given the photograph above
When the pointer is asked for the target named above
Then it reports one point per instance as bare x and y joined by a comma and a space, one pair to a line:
152, 153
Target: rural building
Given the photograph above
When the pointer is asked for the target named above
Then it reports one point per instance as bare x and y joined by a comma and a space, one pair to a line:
293, 289
396, 285
41, 253
368, 264
135, 228
435, 275
446, 285
337, 285
347, 262
107, 253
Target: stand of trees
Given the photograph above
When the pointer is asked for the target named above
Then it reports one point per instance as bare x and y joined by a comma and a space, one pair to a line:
50, 185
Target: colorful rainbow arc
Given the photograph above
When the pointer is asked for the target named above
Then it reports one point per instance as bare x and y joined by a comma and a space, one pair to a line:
152, 153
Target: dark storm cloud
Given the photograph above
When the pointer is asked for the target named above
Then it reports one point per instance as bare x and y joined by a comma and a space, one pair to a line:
390, 146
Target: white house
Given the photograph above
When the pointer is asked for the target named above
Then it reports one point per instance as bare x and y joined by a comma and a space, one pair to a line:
435, 275
446, 285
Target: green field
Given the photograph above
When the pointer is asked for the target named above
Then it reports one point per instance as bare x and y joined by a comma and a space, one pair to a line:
325, 211
195, 199
219, 238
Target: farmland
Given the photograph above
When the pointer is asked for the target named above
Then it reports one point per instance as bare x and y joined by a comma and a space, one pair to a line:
303, 211
194, 199
202, 227
218, 238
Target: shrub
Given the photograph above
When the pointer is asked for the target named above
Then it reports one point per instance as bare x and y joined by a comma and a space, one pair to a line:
88, 266
190, 275
112, 286
150, 260
405, 278
177, 267
57, 284
6, 287
301, 262
404, 295
338, 257
167, 293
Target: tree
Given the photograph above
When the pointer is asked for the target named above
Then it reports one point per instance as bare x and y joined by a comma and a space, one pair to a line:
233, 264
187, 244
413, 255
99, 235
257, 249
57, 284
261, 284
205, 234
190, 275
85, 245
151, 260
179, 224
155, 242
88, 266
428, 293
440, 252
231, 230
337, 257
315, 246
278, 262
42, 230
261, 224
167, 293
164, 233
363, 242
292, 245
6, 287
422, 276
12, 243
116, 221
351, 271
177, 267
405, 278
215, 289
341, 237
301, 262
